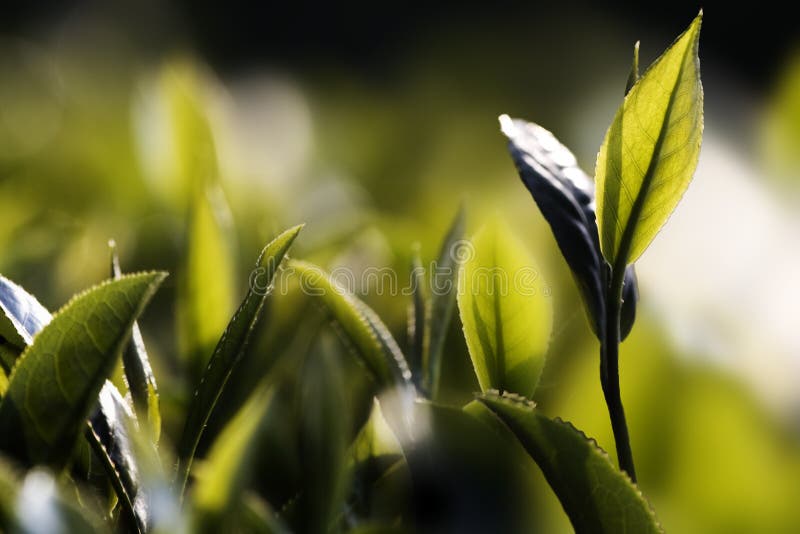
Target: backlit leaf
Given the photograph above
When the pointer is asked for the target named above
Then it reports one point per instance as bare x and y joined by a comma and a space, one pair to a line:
228, 467
506, 312
650, 151
57, 379
231, 346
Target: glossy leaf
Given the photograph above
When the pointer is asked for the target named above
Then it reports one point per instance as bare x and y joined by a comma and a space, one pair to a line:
506, 313
230, 347
565, 196
597, 497
444, 283
138, 373
650, 151
57, 379
107, 433
20, 314
229, 464
372, 341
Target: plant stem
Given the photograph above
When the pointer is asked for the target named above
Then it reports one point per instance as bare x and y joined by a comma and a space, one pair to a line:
609, 371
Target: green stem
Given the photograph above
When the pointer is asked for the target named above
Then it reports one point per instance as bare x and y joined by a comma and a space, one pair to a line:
609, 372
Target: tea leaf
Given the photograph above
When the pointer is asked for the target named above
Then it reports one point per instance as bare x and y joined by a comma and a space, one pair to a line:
444, 282
506, 313
107, 433
106, 430
21, 315
228, 468
56, 380
207, 286
597, 497
650, 151
373, 342
230, 347
138, 373
565, 196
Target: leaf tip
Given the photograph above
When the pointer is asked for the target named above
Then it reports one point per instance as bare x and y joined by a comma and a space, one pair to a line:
507, 126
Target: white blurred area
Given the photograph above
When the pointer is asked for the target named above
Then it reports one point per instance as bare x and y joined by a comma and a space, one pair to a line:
723, 273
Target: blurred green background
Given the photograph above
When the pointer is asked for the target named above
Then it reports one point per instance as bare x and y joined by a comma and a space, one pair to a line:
192, 132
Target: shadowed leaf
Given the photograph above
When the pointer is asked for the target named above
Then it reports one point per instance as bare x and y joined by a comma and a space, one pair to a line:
565, 196
444, 283
372, 341
138, 373
597, 497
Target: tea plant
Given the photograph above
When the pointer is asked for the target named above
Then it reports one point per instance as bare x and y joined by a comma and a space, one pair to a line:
82, 452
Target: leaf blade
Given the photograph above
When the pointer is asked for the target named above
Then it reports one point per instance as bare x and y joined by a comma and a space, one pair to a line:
230, 348
58, 377
506, 315
373, 342
662, 119
138, 372
597, 497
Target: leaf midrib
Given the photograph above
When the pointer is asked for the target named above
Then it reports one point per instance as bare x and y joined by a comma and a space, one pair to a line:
621, 261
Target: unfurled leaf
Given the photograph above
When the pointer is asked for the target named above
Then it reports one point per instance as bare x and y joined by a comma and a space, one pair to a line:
20, 314
228, 467
138, 373
230, 347
208, 281
107, 433
565, 196
106, 430
57, 379
650, 151
506, 312
372, 341
596, 496
444, 283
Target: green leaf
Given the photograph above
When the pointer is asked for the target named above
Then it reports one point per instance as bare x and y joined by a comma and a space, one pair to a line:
597, 497
360, 325
227, 470
650, 151
208, 281
506, 312
56, 380
138, 373
20, 314
230, 347
444, 283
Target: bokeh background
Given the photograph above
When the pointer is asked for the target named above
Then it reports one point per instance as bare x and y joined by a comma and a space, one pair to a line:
191, 132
